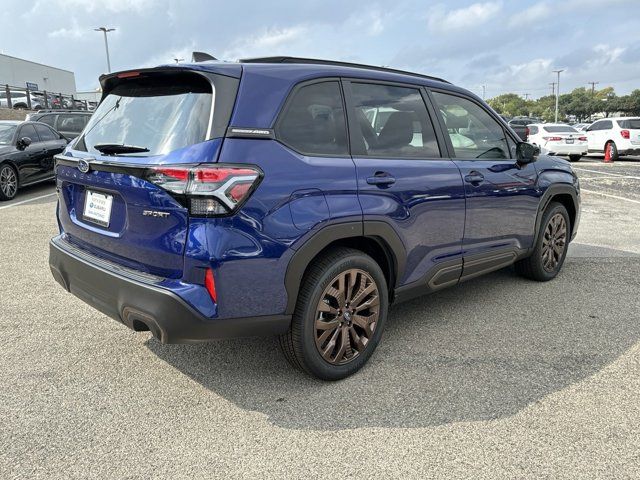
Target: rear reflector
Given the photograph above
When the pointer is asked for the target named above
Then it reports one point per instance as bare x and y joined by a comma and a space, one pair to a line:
210, 285
211, 190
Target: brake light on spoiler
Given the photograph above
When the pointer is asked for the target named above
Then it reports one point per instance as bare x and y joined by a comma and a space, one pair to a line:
210, 191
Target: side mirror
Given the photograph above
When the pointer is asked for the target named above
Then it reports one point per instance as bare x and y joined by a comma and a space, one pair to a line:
23, 143
526, 153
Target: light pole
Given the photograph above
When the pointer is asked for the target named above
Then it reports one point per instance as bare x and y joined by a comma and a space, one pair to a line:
557, 91
105, 30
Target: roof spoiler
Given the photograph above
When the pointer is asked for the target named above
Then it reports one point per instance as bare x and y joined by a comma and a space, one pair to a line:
197, 57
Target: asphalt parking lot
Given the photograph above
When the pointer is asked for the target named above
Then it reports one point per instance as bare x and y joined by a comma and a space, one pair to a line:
496, 378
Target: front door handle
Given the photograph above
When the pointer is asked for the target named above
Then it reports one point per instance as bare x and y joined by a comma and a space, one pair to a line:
381, 179
474, 177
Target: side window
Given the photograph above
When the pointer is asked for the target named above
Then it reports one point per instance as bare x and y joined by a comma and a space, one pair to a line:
473, 132
49, 120
71, 123
393, 121
29, 131
533, 130
594, 127
314, 121
46, 134
606, 125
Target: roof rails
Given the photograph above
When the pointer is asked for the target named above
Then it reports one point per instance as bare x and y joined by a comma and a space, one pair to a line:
336, 63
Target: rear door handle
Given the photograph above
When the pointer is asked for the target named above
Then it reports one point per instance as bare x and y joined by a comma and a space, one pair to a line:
474, 177
381, 179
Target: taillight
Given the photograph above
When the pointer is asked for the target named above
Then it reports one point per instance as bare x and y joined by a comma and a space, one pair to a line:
526, 131
582, 139
625, 134
210, 190
553, 139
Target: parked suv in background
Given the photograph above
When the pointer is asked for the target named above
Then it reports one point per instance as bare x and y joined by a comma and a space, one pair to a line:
558, 139
68, 123
619, 136
270, 196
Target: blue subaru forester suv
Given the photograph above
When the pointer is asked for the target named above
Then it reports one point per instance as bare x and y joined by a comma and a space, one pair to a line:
299, 198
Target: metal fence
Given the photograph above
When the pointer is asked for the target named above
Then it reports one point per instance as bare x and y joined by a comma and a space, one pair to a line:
24, 98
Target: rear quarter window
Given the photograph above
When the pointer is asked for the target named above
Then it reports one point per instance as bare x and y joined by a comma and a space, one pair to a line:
631, 124
313, 121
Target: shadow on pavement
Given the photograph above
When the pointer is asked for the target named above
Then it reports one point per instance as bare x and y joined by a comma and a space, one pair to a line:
482, 350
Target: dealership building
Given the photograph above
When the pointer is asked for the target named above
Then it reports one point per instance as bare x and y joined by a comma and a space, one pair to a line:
19, 73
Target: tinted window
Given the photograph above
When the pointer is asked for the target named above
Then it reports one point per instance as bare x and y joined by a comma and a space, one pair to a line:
161, 113
473, 132
29, 131
560, 129
633, 123
314, 121
393, 122
6, 133
606, 125
46, 134
71, 123
533, 130
49, 120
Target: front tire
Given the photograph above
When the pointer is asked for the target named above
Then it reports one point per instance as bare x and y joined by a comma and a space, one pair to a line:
575, 158
339, 317
550, 250
8, 182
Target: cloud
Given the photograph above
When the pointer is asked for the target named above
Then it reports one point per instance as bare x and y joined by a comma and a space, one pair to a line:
264, 43
461, 18
534, 13
74, 31
117, 6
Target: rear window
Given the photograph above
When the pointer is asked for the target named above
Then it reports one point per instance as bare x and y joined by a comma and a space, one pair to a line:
633, 123
560, 129
160, 112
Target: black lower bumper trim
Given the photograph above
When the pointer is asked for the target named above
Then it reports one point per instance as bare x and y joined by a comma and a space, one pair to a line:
142, 306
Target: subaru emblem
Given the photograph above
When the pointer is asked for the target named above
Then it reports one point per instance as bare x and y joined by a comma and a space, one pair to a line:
83, 166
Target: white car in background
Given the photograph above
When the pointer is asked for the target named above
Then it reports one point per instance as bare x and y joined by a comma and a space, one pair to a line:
558, 139
619, 135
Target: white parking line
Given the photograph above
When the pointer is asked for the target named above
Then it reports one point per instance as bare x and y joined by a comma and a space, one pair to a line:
605, 173
611, 196
27, 201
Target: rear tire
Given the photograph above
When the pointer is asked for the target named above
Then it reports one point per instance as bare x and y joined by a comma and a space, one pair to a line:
339, 316
575, 158
551, 246
613, 152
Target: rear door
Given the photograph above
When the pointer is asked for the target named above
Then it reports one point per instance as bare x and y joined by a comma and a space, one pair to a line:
501, 195
405, 180
111, 204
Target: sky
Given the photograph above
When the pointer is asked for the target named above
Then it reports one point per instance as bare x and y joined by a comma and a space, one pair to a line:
507, 46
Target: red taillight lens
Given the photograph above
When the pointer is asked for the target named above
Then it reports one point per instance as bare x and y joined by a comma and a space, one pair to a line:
582, 139
210, 285
526, 131
211, 190
553, 139
625, 134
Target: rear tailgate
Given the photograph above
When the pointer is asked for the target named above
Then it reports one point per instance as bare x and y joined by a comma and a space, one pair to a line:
106, 205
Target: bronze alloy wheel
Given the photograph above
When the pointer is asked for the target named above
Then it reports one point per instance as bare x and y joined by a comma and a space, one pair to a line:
346, 316
554, 242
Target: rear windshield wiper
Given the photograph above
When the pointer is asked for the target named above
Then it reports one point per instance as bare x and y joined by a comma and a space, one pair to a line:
117, 148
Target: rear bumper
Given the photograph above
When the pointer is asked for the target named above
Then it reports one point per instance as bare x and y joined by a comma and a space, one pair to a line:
567, 149
137, 301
